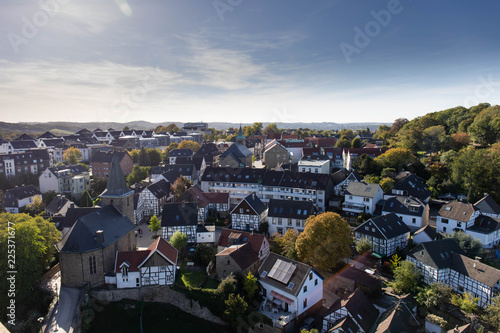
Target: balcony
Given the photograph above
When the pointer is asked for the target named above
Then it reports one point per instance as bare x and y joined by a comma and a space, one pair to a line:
275, 311
353, 207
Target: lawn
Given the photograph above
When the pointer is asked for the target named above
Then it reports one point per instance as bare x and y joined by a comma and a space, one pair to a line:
124, 317
191, 279
211, 284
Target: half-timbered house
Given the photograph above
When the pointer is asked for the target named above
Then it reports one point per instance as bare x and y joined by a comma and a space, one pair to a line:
179, 216
249, 214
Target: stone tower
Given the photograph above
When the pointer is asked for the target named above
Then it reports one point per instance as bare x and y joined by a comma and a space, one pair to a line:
241, 138
117, 192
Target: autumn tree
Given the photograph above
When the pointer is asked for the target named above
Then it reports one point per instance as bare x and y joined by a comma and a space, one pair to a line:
398, 124
406, 277
72, 156
235, 309
172, 128
467, 303
459, 141
285, 244
34, 208
434, 295
365, 165
363, 245
137, 175
397, 158
325, 241
271, 128
492, 313
181, 185
186, 144
250, 285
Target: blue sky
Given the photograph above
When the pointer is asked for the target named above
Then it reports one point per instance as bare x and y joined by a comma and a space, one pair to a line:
245, 61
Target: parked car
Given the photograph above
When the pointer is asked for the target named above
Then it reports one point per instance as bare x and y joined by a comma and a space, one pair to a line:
308, 324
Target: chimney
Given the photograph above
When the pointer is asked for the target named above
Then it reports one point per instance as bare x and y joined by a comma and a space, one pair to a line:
72, 205
99, 236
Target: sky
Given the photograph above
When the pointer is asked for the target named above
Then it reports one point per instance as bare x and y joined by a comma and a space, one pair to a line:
245, 60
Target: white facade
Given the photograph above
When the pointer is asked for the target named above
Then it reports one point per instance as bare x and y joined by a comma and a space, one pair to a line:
488, 240
359, 204
415, 222
205, 237
281, 225
448, 225
314, 166
22, 203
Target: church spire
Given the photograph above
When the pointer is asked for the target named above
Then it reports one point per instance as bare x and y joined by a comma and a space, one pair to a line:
241, 137
117, 187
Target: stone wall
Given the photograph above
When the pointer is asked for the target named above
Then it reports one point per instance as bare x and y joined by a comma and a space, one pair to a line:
161, 294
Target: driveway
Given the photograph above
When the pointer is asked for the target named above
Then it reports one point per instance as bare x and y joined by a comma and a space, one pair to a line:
64, 311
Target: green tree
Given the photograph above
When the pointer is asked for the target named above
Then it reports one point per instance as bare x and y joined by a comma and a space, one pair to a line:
434, 138
398, 124
137, 175
486, 126
203, 254
154, 155
227, 286
343, 143
34, 250
433, 296
285, 244
397, 158
235, 309
172, 128
48, 196
365, 165
325, 241
181, 185
466, 303
470, 245
406, 278
250, 285
35, 208
135, 155
97, 185
144, 158
363, 244
386, 183
193, 145
72, 156
492, 313
179, 240
356, 143
86, 200
155, 226
271, 128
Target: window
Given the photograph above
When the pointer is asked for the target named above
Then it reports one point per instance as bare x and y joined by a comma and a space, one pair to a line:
229, 262
350, 197
316, 282
459, 224
414, 220
366, 199
305, 289
92, 264
305, 303
242, 210
310, 276
137, 282
444, 221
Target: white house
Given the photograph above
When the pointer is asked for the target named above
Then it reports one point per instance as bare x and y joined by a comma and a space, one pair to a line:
151, 200
71, 180
179, 216
362, 197
314, 165
444, 261
294, 288
387, 233
456, 216
413, 211
154, 266
205, 234
410, 185
288, 214
425, 234
17, 198
488, 206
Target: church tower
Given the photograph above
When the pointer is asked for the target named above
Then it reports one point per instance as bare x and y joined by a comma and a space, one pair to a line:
241, 138
117, 192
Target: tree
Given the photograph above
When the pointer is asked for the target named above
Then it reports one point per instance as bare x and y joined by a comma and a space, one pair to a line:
492, 313
343, 143
97, 185
72, 156
126, 128
172, 128
250, 285
459, 141
227, 286
356, 143
34, 250
144, 158
179, 240
85, 200
154, 155
155, 226
271, 128
204, 254
325, 241
137, 175
398, 124
434, 295
466, 303
34, 208
470, 245
363, 244
486, 126
172, 146
193, 145
285, 244
406, 278
397, 158
365, 165
181, 185
386, 183
434, 138
48, 196
235, 309
135, 155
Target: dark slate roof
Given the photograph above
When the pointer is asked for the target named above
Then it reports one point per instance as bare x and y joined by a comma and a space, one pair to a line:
362, 189
12, 196
100, 134
117, 186
31, 156
346, 324
242, 255
342, 174
179, 214
404, 205
476, 270
82, 236
412, 186
83, 131
24, 136
294, 209
53, 142
359, 276
73, 214
180, 152
487, 205
175, 171
107, 157
47, 135
23, 144
485, 224
207, 149
429, 230
359, 307
242, 175
397, 318
253, 200
160, 189
458, 211
237, 149
385, 226
298, 277
57, 204
305, 180
437, 254
2, 141
76, 169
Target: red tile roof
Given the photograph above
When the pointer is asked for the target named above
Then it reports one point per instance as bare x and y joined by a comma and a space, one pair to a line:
135, 259
255, 240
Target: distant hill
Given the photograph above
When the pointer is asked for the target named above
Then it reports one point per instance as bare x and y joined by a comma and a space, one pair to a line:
59, 128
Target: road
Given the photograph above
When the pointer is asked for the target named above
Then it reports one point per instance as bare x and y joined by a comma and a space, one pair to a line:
64, 311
